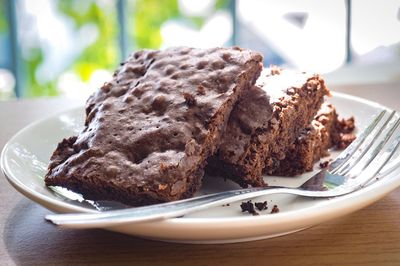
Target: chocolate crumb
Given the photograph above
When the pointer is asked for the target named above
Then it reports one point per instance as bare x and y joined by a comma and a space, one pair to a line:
346, 137
275, 209
162, 186
261, 205
345, 140
275, 70
248, 207
201, 90
163, 167
189, 99
346, 125
324, 164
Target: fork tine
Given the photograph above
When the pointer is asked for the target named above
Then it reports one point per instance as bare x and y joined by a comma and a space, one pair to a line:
368, 152
350, 150
379, 163
395, 163
363, 147
370, 155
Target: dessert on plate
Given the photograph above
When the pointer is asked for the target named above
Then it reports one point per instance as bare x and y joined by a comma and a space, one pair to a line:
149, 131
325, 132
265, 122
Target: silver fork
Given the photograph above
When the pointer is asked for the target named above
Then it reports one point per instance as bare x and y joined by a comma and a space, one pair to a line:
361, 163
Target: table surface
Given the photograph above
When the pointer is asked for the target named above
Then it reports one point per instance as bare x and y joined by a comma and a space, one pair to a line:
370, 236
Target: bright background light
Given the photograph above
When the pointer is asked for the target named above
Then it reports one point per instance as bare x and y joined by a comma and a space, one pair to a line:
70, 47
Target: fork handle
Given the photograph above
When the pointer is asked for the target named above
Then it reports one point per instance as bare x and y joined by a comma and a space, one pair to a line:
178, 208
161, 211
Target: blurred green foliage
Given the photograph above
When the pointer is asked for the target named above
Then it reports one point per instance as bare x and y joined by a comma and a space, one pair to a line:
103, 53
3, 21
32, 87
144, 21
148, 18
150, 15
3, 37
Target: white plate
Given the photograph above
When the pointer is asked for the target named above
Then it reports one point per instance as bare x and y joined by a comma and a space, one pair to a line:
25, 157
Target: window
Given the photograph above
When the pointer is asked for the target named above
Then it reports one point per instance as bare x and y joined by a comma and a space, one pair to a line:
71, 47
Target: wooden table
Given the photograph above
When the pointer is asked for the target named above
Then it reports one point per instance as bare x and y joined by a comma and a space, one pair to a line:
369, 236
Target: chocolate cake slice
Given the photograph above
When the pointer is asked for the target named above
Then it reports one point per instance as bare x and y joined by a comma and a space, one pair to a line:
326, 131
265, 123
150, 129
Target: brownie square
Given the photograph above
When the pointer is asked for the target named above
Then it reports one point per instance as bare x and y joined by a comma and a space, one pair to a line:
150, 129
265, 123
326, 131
